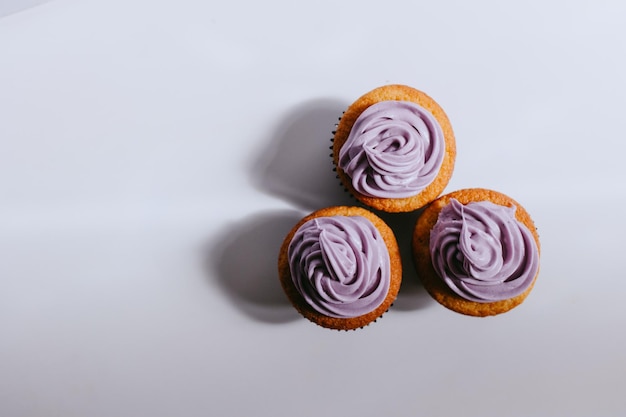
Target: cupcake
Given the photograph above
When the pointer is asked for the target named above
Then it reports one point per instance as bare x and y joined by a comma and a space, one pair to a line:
476, 252
340, 267
394, 149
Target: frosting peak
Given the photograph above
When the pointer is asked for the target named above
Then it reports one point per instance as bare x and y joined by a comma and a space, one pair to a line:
482, 252
340, 265
394, 150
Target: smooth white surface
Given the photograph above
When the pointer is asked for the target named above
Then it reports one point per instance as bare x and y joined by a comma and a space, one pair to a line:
153, 154
8, 7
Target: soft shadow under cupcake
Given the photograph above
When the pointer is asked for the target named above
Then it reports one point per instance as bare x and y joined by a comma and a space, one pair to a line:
295, 163
412, 295
243, 260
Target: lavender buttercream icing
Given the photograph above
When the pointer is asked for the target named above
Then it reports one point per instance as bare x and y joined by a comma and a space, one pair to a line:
340, 265
394, 150
482, 252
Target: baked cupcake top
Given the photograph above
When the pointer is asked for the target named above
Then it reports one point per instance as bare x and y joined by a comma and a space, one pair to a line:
482, 252
340, 267
394, 149
476, 251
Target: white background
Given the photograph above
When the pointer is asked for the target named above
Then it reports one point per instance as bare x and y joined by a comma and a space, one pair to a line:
153, 154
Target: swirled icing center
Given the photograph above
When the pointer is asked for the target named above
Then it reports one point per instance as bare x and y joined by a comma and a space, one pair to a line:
340, 265
394, 150
482, 252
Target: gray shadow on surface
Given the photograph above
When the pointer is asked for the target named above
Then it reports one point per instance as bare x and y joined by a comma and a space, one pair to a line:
412, 295
295, 164
243, 260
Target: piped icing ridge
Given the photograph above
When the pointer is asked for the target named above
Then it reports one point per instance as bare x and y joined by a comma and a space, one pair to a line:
394, 150
482, 252
340, 265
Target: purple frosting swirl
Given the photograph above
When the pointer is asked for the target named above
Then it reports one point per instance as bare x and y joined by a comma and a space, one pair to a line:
340, 265
394, 150
482, 252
